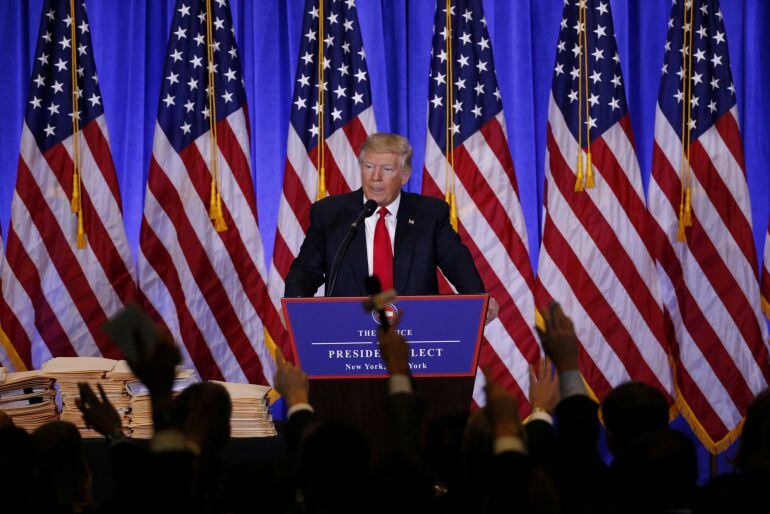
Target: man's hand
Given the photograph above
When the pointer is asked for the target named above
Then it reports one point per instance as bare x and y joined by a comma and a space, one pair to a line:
492, 309
544, 386
98, 414
559, 340
290, 381
156, 364
502, 410
394, 349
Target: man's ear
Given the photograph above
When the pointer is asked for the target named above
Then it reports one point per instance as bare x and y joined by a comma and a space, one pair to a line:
405, 176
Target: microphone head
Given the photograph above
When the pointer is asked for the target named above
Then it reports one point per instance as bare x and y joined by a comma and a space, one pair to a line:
369, 207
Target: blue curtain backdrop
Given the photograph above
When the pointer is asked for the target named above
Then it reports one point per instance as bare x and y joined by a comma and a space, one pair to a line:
130, 36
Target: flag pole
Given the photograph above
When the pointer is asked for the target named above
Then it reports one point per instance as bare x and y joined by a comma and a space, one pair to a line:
320, 111
685, 218
76, 203
687, 205
579, 186
584, 36
215, 200
449, 143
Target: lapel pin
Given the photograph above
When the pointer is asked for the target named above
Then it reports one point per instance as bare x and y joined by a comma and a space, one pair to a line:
411, 221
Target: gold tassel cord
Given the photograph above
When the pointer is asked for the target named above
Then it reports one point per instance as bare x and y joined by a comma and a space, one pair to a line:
589, 165
76, 203
579, 178
215, 201
449, 194
321, 157
685, 219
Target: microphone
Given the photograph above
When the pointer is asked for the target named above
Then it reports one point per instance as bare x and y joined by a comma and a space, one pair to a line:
378, 299
369, 207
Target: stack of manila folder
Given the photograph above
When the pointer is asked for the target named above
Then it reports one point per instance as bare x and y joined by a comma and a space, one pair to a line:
28, 397
250, 417
139, 419
69, 371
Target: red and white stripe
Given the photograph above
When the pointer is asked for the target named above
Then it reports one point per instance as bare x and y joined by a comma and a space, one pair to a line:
597, 260
709, 283
300, 190
208, 288
765, 280
55, 295
491, 225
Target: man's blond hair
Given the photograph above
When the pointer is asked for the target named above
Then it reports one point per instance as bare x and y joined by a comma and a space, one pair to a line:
385, 142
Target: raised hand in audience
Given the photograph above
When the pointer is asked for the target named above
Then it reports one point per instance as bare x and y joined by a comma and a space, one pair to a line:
559, 340
394, 349
544, 386
502, 410
98, 413
156, 363
290, 382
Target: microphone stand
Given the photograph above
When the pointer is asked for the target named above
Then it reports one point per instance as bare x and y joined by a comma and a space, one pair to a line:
337, 262
368, 210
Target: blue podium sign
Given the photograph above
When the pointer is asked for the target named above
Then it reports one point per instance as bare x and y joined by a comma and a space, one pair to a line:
337, 338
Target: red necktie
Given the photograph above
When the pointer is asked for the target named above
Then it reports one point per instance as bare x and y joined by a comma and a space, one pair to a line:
383, 252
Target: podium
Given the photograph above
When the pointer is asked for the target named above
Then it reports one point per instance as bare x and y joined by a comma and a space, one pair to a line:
334, 340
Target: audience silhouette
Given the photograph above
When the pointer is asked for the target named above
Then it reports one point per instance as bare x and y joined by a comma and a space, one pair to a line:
492, 461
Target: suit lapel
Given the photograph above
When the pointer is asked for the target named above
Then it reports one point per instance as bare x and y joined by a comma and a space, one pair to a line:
357, 252
402, 255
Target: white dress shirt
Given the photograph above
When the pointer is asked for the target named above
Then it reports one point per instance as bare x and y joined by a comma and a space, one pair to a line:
370, 224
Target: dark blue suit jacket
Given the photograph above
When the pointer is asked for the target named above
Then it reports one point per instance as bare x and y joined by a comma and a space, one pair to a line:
424, 241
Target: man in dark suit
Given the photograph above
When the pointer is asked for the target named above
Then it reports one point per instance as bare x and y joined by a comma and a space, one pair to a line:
406, 239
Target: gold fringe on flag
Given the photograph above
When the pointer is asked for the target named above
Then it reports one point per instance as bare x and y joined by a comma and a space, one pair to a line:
215, 200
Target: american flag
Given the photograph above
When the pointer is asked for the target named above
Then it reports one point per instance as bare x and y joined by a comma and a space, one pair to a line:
205, 281
68, 265
708, 282
9, 357
470, 157
765, 281
347, 118
596, 258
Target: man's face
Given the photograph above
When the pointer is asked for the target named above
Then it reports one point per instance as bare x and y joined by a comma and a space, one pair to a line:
382, 176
